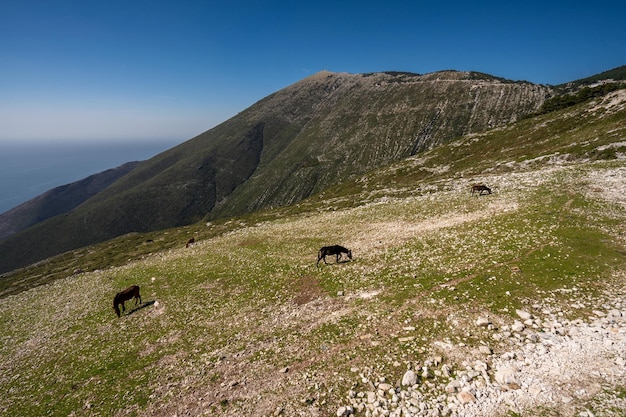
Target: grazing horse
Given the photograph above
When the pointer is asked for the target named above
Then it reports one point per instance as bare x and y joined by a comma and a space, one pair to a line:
480, 188
122, 296
332, 250
190, 242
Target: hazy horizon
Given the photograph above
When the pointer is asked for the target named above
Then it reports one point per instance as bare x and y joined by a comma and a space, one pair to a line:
28, 170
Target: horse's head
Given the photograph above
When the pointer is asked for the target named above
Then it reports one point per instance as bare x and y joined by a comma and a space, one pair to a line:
350, 254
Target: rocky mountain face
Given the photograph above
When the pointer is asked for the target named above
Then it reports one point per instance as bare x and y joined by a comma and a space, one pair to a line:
294, 143
331, 127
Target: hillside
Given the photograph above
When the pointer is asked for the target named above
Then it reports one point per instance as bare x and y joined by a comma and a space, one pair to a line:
615, 74
321, 131
59, 200
511, 303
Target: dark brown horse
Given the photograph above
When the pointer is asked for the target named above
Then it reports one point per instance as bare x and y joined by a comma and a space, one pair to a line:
480, 188
332, 250
190, 242
122, 296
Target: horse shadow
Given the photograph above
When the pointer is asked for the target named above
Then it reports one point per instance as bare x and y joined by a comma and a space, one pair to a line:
140, 307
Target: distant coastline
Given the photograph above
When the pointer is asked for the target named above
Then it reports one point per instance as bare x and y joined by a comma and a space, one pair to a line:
28, 170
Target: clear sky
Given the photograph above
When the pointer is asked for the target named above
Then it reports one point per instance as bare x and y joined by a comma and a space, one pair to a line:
88, 70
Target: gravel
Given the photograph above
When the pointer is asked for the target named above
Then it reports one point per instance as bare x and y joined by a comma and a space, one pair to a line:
545, 362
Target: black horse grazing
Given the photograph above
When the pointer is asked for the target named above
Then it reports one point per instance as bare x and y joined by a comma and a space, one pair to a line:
480, 188
122, 296
332, 250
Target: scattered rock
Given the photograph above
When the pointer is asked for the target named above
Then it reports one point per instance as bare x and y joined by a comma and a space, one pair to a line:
485, 349
517, 326
465, 397
524, 315
531, 372
409, 378
482, 322
344, 411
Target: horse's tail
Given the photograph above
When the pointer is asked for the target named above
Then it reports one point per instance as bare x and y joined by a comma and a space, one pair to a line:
319, 256
116, 307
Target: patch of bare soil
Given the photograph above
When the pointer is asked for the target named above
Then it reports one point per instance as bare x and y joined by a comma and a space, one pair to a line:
309, 289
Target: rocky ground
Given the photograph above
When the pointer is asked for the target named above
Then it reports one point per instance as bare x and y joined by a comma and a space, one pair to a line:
308, 347
549, 361
542, 362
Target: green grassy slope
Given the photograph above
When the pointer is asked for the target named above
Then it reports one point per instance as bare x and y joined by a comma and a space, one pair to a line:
244, 322
239, 308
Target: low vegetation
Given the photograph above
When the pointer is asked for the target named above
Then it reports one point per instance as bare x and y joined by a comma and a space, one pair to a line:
580, 96
244, 323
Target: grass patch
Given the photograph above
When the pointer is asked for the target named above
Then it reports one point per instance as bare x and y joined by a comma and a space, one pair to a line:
246, 303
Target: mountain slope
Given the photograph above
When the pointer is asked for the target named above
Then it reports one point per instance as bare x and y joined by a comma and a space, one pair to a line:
59, 200
371, 120
586, 132
316, 133
511, 303
615, 74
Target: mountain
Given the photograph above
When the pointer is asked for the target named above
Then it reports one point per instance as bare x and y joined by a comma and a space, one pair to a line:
453, 304
318, 132
59, 200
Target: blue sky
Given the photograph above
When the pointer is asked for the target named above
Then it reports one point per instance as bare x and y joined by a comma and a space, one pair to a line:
91, 70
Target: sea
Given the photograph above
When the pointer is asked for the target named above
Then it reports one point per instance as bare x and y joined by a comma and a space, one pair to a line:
28, 170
